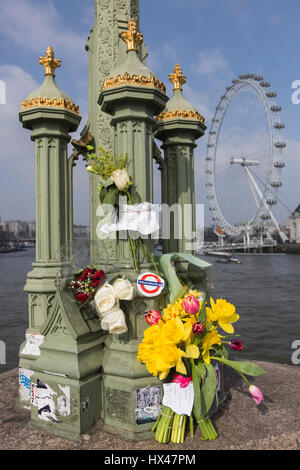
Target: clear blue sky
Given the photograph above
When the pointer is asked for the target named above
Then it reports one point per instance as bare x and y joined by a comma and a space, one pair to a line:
214, 41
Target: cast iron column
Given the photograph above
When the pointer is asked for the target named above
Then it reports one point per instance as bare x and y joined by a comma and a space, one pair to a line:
131, 96
50, 115
178, 126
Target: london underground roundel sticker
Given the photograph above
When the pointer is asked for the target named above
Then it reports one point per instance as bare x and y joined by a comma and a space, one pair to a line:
150, 285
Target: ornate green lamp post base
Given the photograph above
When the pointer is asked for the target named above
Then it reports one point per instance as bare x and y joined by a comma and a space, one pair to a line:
77, 404
124, 406
131, 396
66, 397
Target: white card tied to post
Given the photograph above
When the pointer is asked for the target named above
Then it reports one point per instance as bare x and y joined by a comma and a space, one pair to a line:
179, 399
142, 218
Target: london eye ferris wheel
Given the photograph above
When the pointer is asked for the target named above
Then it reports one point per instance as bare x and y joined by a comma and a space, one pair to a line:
245, 157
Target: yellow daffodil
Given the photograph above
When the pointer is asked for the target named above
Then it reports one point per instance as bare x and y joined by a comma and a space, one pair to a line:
159, 349
212, 338
223, 313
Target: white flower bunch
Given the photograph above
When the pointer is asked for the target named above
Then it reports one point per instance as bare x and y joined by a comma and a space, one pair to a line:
107, 303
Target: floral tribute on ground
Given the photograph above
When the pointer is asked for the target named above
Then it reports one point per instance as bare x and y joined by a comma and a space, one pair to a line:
180, 347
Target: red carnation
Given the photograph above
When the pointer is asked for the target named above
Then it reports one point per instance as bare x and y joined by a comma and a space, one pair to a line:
81, 297
95, 283
97, 277
99, 274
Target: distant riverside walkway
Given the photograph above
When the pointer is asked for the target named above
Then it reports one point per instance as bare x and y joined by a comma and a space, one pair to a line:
275, 424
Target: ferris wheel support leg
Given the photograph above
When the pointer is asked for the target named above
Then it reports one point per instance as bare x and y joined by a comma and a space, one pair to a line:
283, 236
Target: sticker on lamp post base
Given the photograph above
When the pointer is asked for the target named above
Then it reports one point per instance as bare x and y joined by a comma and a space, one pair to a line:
150, 285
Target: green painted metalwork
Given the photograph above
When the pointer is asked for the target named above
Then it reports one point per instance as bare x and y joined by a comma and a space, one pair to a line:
178, 136
167, 265
106, 51
50, 126
80, 374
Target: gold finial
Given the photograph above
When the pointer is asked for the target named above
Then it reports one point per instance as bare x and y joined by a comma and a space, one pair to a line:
177, 78
132, 37
49, 62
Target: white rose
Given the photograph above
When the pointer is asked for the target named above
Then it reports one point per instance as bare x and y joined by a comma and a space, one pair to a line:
123, 289
114, 322
121, 179
105, 298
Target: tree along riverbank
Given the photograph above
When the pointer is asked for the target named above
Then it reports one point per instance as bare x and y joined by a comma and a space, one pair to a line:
288, 249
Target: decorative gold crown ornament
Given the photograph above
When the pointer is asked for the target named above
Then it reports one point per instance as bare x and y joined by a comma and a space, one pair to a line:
177, 78
127, 79
49, 62
50, 102
132, 37
179, 114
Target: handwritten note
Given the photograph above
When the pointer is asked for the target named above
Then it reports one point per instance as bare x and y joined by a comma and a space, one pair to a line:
179, 399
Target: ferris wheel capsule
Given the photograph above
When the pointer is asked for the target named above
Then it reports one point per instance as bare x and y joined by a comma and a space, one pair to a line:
265, 216
275, 108
276, 184
280, 145
279, 164
271, 94
271, 202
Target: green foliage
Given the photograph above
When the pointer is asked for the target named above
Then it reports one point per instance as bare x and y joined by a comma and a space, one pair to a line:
198, 405
109, 195
209, 387
202, 314
243, 367
104, 163
204, 383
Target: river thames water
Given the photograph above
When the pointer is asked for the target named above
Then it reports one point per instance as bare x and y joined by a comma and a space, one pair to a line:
264, 288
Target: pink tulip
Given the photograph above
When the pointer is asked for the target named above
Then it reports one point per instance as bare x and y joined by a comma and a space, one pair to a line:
256, 394
153, 317
191, 305
183, 381
238, 345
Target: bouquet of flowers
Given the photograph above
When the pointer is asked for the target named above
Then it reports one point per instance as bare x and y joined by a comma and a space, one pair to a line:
107, 302
114, 180
86, 282
179, 347
92, 284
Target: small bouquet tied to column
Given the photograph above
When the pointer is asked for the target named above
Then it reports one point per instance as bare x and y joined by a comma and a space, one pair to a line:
180, 347
114, 181
91, 284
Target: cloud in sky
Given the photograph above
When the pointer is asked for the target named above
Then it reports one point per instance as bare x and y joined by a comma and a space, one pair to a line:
27, 27
36, 25
16, 152
209, 61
